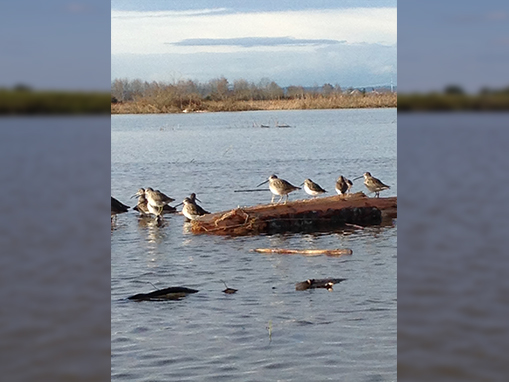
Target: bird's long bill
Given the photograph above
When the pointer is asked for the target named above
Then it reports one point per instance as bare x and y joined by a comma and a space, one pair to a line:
176, 205
262, 183
197, 200
357, 177
301, 184
139, 193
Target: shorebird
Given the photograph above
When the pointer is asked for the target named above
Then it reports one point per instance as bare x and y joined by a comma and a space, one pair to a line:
156, 200
200, 210
190, 209
343, 185
279, 187
142, 206
312, 188
373, 184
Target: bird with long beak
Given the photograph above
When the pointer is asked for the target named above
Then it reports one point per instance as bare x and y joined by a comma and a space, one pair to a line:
191, 210
142, 206
200, 210
156, 200
373, 184
312, 188
279, 187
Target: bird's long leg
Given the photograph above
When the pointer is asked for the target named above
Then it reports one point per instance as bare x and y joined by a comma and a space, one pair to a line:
281, 198
272, 200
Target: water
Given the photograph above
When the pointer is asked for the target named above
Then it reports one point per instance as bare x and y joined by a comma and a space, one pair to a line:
452, 273
347, 334
55, 263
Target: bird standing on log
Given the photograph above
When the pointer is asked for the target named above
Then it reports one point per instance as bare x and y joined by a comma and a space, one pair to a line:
191, 210
312, 188
200, 210
373, 184
279, 187
343, 185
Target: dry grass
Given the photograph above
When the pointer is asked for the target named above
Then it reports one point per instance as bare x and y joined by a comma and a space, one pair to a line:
384, 100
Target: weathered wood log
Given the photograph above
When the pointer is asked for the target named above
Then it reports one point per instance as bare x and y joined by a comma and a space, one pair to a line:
308, 215
306, 252
171, 293
317, 283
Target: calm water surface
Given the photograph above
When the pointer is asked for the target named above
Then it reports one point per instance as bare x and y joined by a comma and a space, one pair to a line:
452, 274
347, 334
55, 262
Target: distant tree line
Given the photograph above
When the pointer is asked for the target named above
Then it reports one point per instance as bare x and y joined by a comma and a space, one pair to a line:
185, 92
454, 97
22, 99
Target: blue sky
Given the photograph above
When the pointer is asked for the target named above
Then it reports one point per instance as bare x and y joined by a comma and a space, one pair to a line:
350, 43
55, 44
453, 42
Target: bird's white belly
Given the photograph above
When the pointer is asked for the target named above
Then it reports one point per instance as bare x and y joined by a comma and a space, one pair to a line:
274, 190
310, 191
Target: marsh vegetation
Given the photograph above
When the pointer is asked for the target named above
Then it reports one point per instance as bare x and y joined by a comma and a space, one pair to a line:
454, 98
138, 97
23, 100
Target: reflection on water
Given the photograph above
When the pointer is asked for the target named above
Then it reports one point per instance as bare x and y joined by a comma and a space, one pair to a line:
315, 334
452, 278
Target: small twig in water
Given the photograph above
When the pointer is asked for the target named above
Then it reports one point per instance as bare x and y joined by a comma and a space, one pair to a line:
269, 328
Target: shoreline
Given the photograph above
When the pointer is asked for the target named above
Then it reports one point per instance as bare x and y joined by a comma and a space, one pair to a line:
367, 101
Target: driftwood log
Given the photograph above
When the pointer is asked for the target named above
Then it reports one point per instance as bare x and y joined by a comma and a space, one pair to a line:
317, 283
171, 293
308, 215
306, 252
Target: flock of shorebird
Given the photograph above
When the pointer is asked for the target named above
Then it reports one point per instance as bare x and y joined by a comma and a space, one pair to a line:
282, 187
154, 202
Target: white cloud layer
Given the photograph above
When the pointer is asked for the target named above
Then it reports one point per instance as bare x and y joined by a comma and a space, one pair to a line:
352, 47
154, 32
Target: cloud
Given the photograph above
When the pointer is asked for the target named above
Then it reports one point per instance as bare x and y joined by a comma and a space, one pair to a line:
348, 65
350, 46
249, 42
116, 14
153, 32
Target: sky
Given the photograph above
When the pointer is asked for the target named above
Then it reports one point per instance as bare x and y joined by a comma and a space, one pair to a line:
55, 44
350, 43
83, 44
463, 43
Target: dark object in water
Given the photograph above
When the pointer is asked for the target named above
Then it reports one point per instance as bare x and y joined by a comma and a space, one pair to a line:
117, 207
318, 283
171, 293
228, 290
